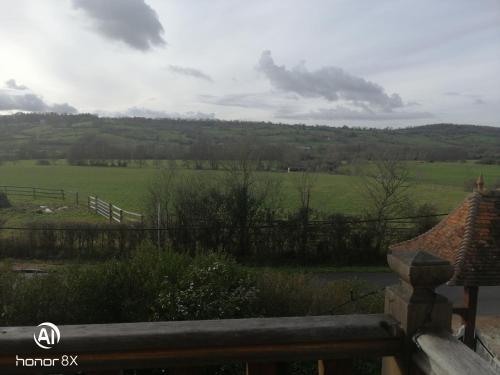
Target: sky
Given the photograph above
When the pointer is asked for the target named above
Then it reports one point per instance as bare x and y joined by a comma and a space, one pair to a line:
384, 63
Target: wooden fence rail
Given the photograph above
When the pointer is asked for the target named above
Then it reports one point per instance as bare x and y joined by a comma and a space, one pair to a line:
33, 192
263, 343
112, 212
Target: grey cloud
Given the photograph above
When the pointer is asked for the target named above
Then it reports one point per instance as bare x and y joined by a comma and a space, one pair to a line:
130, 21
150, 113
191, 72
62, 108
11, 84
249, 100
345, 113
11, 100
331, 83
477, 99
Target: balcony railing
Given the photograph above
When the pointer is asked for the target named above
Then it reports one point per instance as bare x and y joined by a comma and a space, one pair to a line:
413, 336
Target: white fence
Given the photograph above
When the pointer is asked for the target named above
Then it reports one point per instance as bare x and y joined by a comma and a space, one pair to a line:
113, 213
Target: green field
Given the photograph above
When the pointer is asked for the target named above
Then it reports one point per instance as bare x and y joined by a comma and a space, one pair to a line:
439, 183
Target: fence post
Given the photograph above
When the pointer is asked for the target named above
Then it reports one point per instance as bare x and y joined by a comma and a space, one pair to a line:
34, 193
96, 204
414, 303
121, 216
76, 199
62, 194
110, 213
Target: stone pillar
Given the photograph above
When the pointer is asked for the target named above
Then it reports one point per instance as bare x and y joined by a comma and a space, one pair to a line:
414, 302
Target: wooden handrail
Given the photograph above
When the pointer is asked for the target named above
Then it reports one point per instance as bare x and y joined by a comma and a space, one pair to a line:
164, 344
441, 354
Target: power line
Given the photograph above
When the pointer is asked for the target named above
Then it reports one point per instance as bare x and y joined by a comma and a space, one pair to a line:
276, 224
353, 299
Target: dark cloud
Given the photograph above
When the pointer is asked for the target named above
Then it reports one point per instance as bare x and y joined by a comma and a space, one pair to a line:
130, 21
151, 113
345, 113
479, 101
11, 84
191, 72
12, 100
330, 83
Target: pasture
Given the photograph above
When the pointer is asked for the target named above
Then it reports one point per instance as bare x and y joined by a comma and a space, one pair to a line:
439, 183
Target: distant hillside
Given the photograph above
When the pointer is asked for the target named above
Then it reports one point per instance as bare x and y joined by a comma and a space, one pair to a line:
85, 136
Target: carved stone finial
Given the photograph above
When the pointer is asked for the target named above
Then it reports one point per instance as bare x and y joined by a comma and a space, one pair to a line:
420, 269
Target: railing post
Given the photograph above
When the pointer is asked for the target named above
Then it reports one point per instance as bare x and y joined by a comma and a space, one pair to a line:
414, 302
110, 213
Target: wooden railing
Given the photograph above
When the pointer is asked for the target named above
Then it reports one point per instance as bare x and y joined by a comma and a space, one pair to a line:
261, 343
33, 192
113, 213
412, 337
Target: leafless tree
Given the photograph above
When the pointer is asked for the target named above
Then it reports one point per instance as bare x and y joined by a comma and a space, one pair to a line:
304, 184
385, 188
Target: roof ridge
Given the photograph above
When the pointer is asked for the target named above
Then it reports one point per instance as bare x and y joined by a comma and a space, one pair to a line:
474, 200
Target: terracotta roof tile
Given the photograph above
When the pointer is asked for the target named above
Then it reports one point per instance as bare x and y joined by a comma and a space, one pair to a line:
469, 238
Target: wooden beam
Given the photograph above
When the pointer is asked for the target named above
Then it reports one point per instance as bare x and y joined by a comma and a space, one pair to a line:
198, 343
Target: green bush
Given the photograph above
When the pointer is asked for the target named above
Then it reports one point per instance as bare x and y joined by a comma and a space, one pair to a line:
212, 287
166, 285
282, 294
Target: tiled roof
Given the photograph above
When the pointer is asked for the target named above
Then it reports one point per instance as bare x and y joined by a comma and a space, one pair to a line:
469, 238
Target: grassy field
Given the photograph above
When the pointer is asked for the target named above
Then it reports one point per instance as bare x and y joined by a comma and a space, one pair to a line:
439, 183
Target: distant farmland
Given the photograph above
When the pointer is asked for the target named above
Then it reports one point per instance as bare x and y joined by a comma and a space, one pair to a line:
439, 183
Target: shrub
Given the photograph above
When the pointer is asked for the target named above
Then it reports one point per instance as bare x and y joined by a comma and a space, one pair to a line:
169, 286
4, 201
212, 287
282, 294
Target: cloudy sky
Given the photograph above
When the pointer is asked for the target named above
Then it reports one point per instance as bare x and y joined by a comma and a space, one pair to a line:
334, 62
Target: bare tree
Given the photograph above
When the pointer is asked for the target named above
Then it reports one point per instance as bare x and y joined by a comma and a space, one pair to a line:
385, 187
304, 185
160, 196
